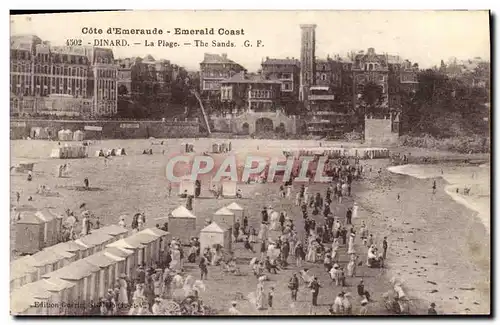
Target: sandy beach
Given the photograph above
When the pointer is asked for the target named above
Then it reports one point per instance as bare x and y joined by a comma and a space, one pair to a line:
439, 248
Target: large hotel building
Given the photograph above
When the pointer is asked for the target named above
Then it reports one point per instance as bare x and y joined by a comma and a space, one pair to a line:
59, 80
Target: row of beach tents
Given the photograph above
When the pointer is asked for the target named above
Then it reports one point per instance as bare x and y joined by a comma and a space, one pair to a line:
62, 135
81, 271
362, 153
70, 152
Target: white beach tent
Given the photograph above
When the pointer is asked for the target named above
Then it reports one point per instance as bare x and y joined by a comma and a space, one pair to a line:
187, 184
78, 135
224, 217
229, 189
182, 224
238, 211
214, 234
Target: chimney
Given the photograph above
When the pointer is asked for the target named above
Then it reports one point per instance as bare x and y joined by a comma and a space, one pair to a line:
224, 55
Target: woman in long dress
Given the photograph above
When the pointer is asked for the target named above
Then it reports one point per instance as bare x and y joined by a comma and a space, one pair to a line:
311, 252
123, 295
335, 248
275, 216
351, 266
260, 294
350, 249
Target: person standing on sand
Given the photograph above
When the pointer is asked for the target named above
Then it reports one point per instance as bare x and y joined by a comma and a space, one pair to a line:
363, 311
293, 285
432, 310
384, 247
434, 187
348, 216
314, 286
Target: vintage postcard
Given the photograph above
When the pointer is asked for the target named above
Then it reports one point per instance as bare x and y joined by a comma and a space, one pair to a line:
199, 163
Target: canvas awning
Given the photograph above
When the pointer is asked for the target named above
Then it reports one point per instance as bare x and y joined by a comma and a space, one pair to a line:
234, 206
111, 230
117, 253
154, 231
29, 217
224, 212
182, 212
100, 259
123, 244
93, 239
69, 246
74, 271
214, 228
46, 257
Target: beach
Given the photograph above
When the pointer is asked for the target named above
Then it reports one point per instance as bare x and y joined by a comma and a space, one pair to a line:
438, 248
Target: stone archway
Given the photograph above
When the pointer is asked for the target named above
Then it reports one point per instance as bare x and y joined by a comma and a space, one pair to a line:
245, 128
264, 124
281, 129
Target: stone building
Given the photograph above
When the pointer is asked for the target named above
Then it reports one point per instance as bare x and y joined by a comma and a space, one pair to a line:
70, 76
307, 58
288, 72
213, 70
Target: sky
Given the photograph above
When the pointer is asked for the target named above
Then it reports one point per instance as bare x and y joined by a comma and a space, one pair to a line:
424, 37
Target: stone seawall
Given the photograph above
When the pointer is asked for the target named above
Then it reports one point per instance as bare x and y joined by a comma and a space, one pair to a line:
22, 128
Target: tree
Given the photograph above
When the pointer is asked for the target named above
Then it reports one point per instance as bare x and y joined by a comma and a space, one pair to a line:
372, 98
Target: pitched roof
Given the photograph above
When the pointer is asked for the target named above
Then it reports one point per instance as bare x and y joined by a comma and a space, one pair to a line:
118, 252
213, 227
216, 59
74, 271
182, 212
112, 230
126, 244
271, 61
100, 259
235, 206
93, 239
154, 231
141, 238
29, 217
224, 212
249, 78
46, 257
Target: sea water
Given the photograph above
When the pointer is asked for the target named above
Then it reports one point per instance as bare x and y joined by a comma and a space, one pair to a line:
477, 178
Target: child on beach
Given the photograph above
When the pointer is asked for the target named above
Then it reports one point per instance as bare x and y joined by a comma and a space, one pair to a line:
270, 296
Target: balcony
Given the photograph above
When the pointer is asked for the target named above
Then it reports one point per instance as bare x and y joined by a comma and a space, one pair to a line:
321, 97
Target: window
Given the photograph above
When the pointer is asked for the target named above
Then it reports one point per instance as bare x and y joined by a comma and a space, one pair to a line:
323, 76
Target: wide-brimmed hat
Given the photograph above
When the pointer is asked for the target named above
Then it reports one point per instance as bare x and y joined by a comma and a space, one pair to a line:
233, 303
433, 305
364, 302
335, 266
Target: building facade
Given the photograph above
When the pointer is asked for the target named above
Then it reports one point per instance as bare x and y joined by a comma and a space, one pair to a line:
213, 70
307, 59
287, 71
250, 92
60, 80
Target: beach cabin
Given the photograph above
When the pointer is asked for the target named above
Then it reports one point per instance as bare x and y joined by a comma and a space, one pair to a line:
149, 241
125, 259
224, 217
84, 275
62, 249
115, 231
95, 242
78, 135
120, 152
62, 291
24, 300
163, 239
22, 272
29, 233
187, 186
70, 247
214, 234
215, 148
229, 189
237, 210
182, 224
52, 226
107, 273
47, 261
134, 259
